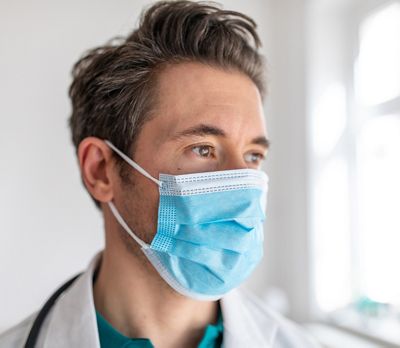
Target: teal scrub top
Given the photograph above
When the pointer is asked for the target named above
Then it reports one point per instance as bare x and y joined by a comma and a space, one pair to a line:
110, 337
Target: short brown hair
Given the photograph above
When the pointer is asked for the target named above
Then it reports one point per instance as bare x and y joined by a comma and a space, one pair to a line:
113, 87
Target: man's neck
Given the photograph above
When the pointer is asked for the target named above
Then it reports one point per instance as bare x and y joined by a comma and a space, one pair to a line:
135, 300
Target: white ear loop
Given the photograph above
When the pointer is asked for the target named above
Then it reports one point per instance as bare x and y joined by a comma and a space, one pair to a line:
125, 226
133, 164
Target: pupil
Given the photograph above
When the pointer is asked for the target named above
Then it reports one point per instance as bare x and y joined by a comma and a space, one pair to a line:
204, 151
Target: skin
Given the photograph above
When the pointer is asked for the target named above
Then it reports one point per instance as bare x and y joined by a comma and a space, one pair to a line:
206, 119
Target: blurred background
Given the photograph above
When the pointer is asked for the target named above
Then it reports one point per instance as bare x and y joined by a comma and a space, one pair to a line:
332, 251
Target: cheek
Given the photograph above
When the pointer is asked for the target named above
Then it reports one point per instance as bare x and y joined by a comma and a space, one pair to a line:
141, 207
186, 162
175, 160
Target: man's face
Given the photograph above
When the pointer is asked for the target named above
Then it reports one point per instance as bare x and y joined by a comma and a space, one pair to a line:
206, 119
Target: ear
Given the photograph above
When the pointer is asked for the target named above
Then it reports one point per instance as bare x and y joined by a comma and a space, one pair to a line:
97, 168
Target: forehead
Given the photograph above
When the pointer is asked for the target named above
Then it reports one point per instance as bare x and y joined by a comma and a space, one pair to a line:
190, 93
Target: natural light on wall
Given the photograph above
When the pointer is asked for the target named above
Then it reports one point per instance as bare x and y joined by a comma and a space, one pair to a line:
378, 68
379, 208
355, 133
333, 239
330, 119
377, 80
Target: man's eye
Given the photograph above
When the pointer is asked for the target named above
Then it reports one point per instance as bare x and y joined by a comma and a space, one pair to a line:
205, 151
254, 157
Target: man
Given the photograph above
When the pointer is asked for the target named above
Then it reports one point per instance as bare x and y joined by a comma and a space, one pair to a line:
169, 131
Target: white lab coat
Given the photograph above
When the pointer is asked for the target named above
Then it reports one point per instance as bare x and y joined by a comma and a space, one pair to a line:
72, 322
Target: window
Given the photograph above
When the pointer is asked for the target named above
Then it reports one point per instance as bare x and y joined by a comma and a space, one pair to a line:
356, 186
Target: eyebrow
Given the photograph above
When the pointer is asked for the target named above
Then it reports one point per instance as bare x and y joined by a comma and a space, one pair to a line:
200, 130
263, 141
204, 129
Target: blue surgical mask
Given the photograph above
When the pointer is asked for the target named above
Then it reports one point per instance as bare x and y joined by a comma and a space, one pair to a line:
210, 229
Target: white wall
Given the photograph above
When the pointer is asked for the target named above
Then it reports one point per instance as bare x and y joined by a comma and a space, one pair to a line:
287, 248
49, 228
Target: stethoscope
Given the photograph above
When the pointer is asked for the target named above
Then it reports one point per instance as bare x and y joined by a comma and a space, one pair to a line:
37, 324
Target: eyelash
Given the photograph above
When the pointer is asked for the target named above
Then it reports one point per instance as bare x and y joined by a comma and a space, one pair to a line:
260, 156
202, 147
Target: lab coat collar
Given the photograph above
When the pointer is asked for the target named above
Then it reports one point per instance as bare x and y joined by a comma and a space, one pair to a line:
245, 325
72, 322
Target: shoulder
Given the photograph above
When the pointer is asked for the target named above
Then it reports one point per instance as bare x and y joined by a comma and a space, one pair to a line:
288, 334
16, 336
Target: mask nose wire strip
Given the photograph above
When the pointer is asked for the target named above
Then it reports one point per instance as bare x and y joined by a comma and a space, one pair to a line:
125, 226
132, 163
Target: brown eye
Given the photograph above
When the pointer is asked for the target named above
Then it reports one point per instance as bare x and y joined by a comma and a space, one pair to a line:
204, 151
254, 157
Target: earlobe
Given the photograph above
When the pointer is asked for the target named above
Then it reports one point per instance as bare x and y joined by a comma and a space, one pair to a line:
96, 164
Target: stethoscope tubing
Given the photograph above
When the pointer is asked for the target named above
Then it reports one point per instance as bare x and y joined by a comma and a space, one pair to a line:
40, 318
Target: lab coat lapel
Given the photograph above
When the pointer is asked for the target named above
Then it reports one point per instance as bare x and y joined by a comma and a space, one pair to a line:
73, 321
242, 328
